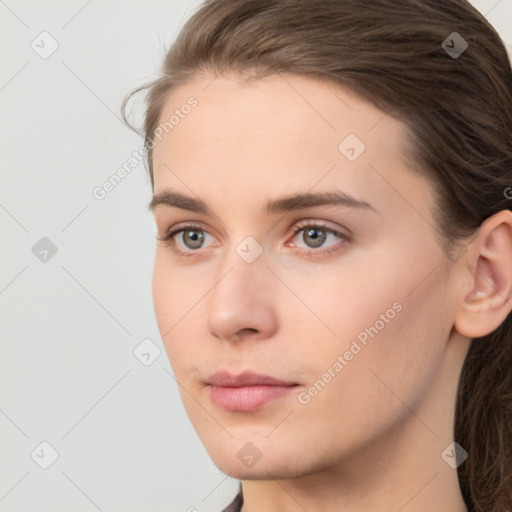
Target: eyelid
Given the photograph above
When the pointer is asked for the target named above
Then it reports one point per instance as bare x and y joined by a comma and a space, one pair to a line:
300, 225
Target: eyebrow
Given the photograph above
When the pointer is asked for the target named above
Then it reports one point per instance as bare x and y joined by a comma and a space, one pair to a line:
285, 204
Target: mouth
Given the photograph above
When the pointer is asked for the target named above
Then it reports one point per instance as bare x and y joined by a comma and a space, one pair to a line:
246, 392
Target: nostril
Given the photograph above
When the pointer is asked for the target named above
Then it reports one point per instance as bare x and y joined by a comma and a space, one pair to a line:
247, 329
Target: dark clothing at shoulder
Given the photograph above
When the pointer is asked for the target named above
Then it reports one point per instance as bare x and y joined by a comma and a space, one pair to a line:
236, 504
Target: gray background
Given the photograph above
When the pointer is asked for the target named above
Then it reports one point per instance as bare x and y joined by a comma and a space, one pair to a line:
70, 321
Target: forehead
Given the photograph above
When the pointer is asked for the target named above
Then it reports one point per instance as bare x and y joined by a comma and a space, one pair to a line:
274, 132
297, 108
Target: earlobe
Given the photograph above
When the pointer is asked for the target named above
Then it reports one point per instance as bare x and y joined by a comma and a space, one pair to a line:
487, 298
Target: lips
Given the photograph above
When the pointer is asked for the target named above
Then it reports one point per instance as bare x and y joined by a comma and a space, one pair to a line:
246, 392
247, 378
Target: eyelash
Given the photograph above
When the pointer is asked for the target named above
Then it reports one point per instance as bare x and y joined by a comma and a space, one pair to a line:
169, 241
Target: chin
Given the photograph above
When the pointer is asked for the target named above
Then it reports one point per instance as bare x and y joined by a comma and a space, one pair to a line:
248, 461
260, 471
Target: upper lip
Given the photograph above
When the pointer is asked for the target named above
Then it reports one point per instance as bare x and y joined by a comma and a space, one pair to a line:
247, 378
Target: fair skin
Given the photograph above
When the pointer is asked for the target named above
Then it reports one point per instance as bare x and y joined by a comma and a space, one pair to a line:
372, 438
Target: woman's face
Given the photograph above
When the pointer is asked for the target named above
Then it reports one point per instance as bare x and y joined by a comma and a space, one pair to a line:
344, 293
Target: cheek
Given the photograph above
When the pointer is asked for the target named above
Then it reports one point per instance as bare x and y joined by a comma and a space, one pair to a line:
175, 293
163, 295
391, 341
171, 301
390, 322
180, 311
381, 293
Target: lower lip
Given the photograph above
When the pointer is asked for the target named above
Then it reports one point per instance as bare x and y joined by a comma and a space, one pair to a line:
248, 398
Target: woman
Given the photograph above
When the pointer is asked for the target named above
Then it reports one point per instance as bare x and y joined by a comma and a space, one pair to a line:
333, 275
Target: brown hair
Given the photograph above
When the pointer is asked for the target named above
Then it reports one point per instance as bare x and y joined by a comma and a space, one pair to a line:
458, 113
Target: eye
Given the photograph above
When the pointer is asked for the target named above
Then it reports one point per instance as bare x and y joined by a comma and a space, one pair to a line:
316, 237
186, 239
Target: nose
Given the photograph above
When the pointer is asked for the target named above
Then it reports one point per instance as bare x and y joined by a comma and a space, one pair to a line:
242, 303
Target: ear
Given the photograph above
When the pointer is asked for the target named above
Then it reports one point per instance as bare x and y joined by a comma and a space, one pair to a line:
486, 293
